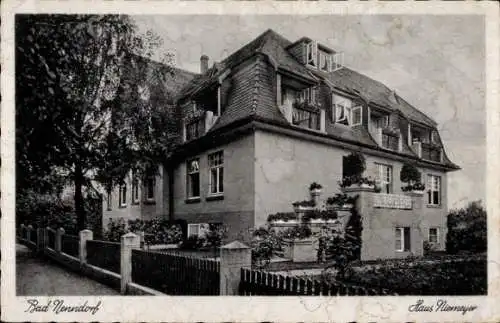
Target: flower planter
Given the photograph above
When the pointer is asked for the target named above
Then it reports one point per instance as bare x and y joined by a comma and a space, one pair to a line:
284, 223
300, 208
303, 250
415, 192
315, 192
339, 207
358, 188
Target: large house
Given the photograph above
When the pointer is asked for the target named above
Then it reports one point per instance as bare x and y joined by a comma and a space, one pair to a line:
258, 127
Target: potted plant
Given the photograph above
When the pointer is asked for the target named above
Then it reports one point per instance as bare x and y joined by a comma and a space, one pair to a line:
411, 176
315, 189
282, 217
342, 201
305, 205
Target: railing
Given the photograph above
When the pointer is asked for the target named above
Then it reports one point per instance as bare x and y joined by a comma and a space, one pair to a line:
51, 238
174, 274
392, 201
431, 152
104, 254
306, 117
70, 245
266, 283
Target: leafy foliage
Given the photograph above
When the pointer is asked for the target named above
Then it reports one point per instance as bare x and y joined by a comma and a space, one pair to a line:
315, 186
467, 229
68, 71
354, 165
265, 244
296, 232
156, 231
341, 199
305, 203
282, 216
324, 215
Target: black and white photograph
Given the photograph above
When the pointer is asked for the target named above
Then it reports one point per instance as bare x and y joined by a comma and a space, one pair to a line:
316, 155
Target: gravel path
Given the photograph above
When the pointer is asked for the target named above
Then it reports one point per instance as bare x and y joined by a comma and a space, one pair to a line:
37, 277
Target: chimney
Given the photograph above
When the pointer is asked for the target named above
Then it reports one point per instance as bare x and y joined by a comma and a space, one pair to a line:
203, 64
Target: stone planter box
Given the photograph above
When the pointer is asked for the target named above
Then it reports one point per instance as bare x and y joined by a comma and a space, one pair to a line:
415, 193
284, 223
315, 192
302, 209
358, 188
338, 207
301, 250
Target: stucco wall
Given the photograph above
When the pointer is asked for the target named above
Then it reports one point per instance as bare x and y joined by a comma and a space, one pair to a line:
285, 166
143, 210
236, 209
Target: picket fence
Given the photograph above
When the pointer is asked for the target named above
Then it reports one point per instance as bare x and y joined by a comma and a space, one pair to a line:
255, 283
176, 274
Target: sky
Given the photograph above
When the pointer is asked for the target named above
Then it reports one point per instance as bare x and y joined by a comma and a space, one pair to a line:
436, 63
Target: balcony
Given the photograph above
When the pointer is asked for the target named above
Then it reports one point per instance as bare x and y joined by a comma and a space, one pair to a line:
306, 114
387, 138
392, 201
198, 123
431, 152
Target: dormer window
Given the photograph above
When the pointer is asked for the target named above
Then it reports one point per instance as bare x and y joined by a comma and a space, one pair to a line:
345, 113
312, 54
325, 61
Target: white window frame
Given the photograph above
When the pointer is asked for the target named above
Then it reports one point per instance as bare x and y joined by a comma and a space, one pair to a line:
325, 58
401, 230
344, 104
354, 109
122, 193
219, 168
429, 235
337, 61
312, 50
190, 228
434, 184
189, 180
385, 175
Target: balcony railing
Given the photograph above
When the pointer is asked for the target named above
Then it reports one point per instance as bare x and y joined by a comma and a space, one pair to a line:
392, 201
196, 125
305, 114
431, 152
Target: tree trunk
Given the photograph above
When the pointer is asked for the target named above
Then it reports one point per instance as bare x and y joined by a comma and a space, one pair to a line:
79, 204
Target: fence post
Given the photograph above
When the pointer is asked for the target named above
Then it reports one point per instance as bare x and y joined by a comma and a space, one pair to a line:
84, 236
40, 239
129, 241
233, 257
58, 242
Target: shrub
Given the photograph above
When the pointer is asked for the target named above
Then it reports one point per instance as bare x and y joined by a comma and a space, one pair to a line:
156, 231
409, 174
116, 228
215, 235
284, 216
341, 199
350, 180
265, 244
193, 242
467, 229
354, 165
413, 187
296, 232
317, 214
305, 203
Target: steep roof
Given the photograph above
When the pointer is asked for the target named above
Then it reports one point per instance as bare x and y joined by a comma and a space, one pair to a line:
268, 43
376, 92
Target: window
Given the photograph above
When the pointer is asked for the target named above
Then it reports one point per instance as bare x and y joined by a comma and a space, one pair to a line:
382, 122
390, 142
150, 188
135, 191
216, 176
403, 239
123, 195
341, 109
193, 178
356, 116
325, 62
193, 229
338, 61
311, 53
434, 192
384, 175
108, 202
433, 235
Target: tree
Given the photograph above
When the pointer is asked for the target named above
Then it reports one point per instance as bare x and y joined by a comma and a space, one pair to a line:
71, 124
467, 230
409, 174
